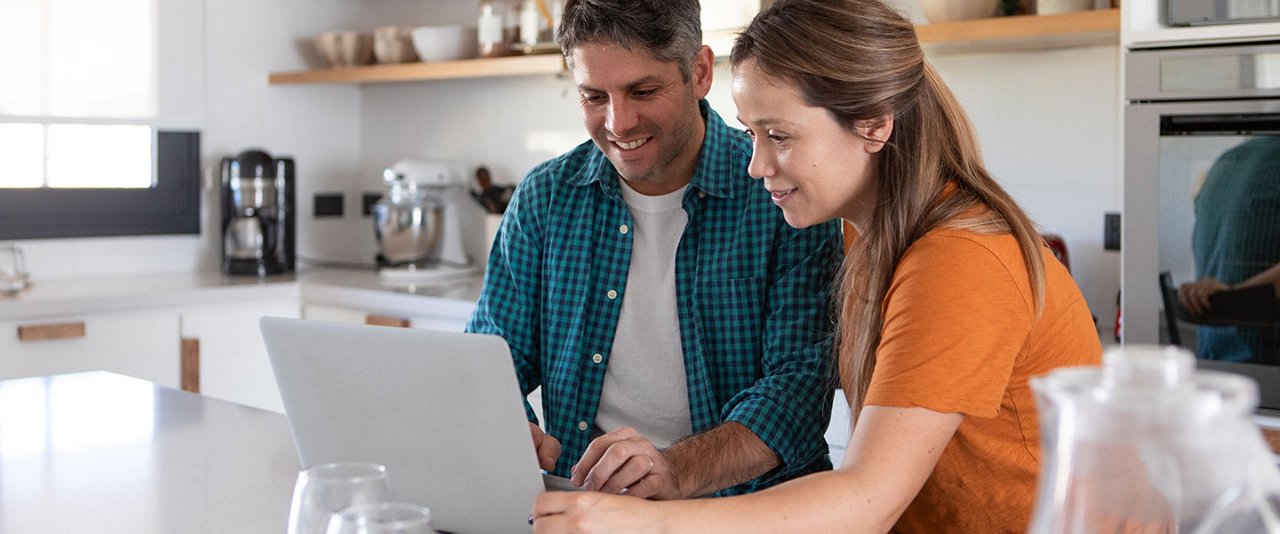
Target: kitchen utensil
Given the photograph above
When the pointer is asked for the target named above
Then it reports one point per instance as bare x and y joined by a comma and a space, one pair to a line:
445, 43
953, 10
382, 518
394, 44
494, 198
406, 222
345, 48
13, 270
1148, 444
418, 226
325, 489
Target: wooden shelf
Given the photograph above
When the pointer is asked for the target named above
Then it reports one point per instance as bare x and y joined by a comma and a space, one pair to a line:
1080, 28
407, 72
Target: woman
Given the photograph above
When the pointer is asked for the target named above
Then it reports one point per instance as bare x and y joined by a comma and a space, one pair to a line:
950, 299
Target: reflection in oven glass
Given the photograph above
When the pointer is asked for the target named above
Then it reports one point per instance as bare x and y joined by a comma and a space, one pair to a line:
1220, 244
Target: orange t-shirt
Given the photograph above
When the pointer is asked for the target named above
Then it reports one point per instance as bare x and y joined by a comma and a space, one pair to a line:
961, 336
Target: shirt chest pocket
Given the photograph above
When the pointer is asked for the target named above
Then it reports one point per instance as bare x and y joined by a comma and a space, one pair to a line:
732, 316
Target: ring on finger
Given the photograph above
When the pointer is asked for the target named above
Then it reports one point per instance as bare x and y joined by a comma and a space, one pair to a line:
650, 458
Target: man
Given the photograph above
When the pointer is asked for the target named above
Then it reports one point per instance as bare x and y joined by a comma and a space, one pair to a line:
1236, 245
647, 284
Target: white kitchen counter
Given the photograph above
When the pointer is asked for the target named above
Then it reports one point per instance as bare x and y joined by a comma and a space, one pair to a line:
355, 289
101, 452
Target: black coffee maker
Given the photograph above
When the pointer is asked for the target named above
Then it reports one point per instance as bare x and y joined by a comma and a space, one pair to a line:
258, 214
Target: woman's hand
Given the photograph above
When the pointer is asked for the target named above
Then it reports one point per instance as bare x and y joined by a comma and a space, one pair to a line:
1195, 295
586, 512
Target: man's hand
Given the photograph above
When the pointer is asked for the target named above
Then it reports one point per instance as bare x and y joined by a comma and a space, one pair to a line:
624, 462
547, 447
1195, 295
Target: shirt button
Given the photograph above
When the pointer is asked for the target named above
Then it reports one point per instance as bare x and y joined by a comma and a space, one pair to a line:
597, 358
702, 194
612, 294
623, 229
582, 425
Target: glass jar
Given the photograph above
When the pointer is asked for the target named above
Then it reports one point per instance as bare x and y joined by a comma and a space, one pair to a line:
491, 28
531, 24
1147, 443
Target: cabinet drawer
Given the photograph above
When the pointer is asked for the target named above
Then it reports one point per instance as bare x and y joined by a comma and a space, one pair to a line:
143, 345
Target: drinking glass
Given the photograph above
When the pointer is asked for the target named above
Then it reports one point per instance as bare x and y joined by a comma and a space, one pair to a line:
325, 489
13, 270
382, 518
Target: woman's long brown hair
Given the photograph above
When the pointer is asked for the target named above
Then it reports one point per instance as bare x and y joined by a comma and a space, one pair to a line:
860, 60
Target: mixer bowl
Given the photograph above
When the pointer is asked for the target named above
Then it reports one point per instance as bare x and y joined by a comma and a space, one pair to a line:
407, 232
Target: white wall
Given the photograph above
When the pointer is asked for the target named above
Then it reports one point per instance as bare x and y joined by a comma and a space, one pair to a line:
1049, 124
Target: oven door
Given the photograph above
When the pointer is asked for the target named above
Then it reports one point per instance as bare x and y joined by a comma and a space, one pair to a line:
1170, 154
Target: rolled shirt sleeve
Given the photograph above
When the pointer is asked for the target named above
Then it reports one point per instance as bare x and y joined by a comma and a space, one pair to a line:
789, 407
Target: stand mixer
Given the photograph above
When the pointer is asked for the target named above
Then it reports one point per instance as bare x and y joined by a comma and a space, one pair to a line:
418, 226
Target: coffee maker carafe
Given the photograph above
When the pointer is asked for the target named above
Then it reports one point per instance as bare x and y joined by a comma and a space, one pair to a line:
258, 220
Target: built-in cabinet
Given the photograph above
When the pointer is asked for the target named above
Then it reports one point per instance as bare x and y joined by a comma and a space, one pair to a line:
424, 320
232, 359
214, 350
141, 344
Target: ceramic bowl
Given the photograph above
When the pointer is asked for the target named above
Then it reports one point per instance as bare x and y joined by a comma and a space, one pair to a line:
345, 48
394, 44
445, 43
953, 10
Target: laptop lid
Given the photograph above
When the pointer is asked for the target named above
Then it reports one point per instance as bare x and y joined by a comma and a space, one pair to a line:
441, 410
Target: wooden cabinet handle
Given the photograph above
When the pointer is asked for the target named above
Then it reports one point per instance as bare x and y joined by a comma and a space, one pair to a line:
46, 332
1273, 439
383, 320
189, 366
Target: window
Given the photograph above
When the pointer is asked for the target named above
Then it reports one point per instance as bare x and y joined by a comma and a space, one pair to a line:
78, 105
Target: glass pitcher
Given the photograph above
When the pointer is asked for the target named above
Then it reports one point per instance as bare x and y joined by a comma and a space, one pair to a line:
1146, 443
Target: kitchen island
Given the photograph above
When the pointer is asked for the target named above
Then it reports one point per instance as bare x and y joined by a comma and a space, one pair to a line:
105, 453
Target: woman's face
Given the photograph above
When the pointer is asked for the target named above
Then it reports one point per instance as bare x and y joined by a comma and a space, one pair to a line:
815, 168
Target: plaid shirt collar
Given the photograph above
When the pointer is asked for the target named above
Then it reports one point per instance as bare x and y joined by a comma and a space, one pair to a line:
706, 179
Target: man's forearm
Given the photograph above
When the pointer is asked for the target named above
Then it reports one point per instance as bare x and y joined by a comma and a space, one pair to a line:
724, 456
1270, 276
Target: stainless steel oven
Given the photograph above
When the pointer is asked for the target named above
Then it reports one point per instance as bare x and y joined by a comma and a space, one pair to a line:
1202, 196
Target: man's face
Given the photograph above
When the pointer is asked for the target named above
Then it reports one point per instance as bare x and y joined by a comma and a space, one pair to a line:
642, 114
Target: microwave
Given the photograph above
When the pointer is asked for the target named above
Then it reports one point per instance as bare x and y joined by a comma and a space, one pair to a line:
1212, 12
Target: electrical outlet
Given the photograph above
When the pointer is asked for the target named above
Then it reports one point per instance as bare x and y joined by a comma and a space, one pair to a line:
367, 201
1111, 231
328, 205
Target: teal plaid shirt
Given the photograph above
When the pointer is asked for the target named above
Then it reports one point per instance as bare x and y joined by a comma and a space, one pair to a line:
753, 296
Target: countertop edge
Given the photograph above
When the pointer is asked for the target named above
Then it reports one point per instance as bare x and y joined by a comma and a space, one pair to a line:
62, 298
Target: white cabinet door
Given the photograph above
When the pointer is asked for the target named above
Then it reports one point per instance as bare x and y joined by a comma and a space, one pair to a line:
233, 358
426, 321
139, 344
333, 314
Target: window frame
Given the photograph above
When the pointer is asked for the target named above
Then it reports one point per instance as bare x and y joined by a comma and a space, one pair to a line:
171, 206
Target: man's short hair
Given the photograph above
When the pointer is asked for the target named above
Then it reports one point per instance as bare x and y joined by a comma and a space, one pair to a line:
668, 30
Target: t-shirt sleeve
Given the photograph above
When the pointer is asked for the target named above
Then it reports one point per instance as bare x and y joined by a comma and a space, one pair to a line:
956, 316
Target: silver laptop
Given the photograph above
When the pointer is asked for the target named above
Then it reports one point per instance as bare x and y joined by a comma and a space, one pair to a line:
441, 410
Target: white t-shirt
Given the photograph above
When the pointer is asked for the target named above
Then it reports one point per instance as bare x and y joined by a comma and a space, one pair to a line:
645, 386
